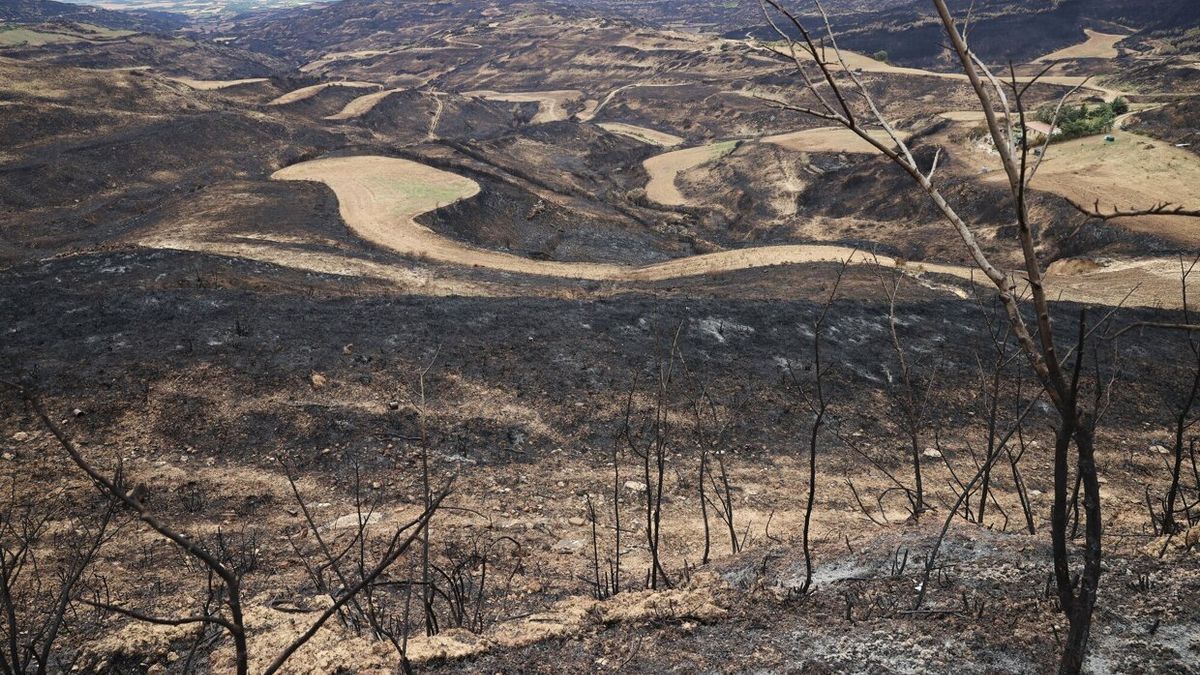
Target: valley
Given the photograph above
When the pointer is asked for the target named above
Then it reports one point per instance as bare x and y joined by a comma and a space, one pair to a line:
619, 279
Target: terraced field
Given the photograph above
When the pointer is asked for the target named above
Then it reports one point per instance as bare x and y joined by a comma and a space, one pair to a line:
305, 93
381, 197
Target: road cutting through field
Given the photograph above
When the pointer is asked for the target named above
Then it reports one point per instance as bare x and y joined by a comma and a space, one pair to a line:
380, 198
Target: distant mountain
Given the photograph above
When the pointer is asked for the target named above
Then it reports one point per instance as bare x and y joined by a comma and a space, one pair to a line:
292, 32
40, 11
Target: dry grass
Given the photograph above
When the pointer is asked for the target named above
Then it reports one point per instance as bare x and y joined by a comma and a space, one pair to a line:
830, 139
212, 85
551, 104
665, 168
643, 134
362, 105
380, 196
305, 93
1133, 171
1097, 46
340, 56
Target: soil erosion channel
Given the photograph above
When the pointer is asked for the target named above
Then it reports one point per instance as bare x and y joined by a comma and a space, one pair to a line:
380, 197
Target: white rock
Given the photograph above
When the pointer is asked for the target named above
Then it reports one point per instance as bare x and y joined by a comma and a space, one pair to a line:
635, 486
932, 453
351, 520
567, 546
20, 436
576, 521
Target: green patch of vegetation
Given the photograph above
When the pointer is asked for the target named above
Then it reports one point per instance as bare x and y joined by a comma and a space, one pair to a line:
95, 31
18, 36
880, 55
719, 150
13, 35
1082, 120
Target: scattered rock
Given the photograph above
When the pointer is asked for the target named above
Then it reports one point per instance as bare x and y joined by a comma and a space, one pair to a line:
348, 349
567, 546
21, 436
635, 486
351, 520
319, 381
375, 485
77, 412
393, 405
8, 456
576, 521
932, 453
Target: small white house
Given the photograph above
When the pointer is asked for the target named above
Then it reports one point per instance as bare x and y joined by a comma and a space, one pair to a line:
1042, 128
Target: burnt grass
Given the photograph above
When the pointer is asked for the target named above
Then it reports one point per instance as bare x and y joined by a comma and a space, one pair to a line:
203, 372
171, 352
108, 328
